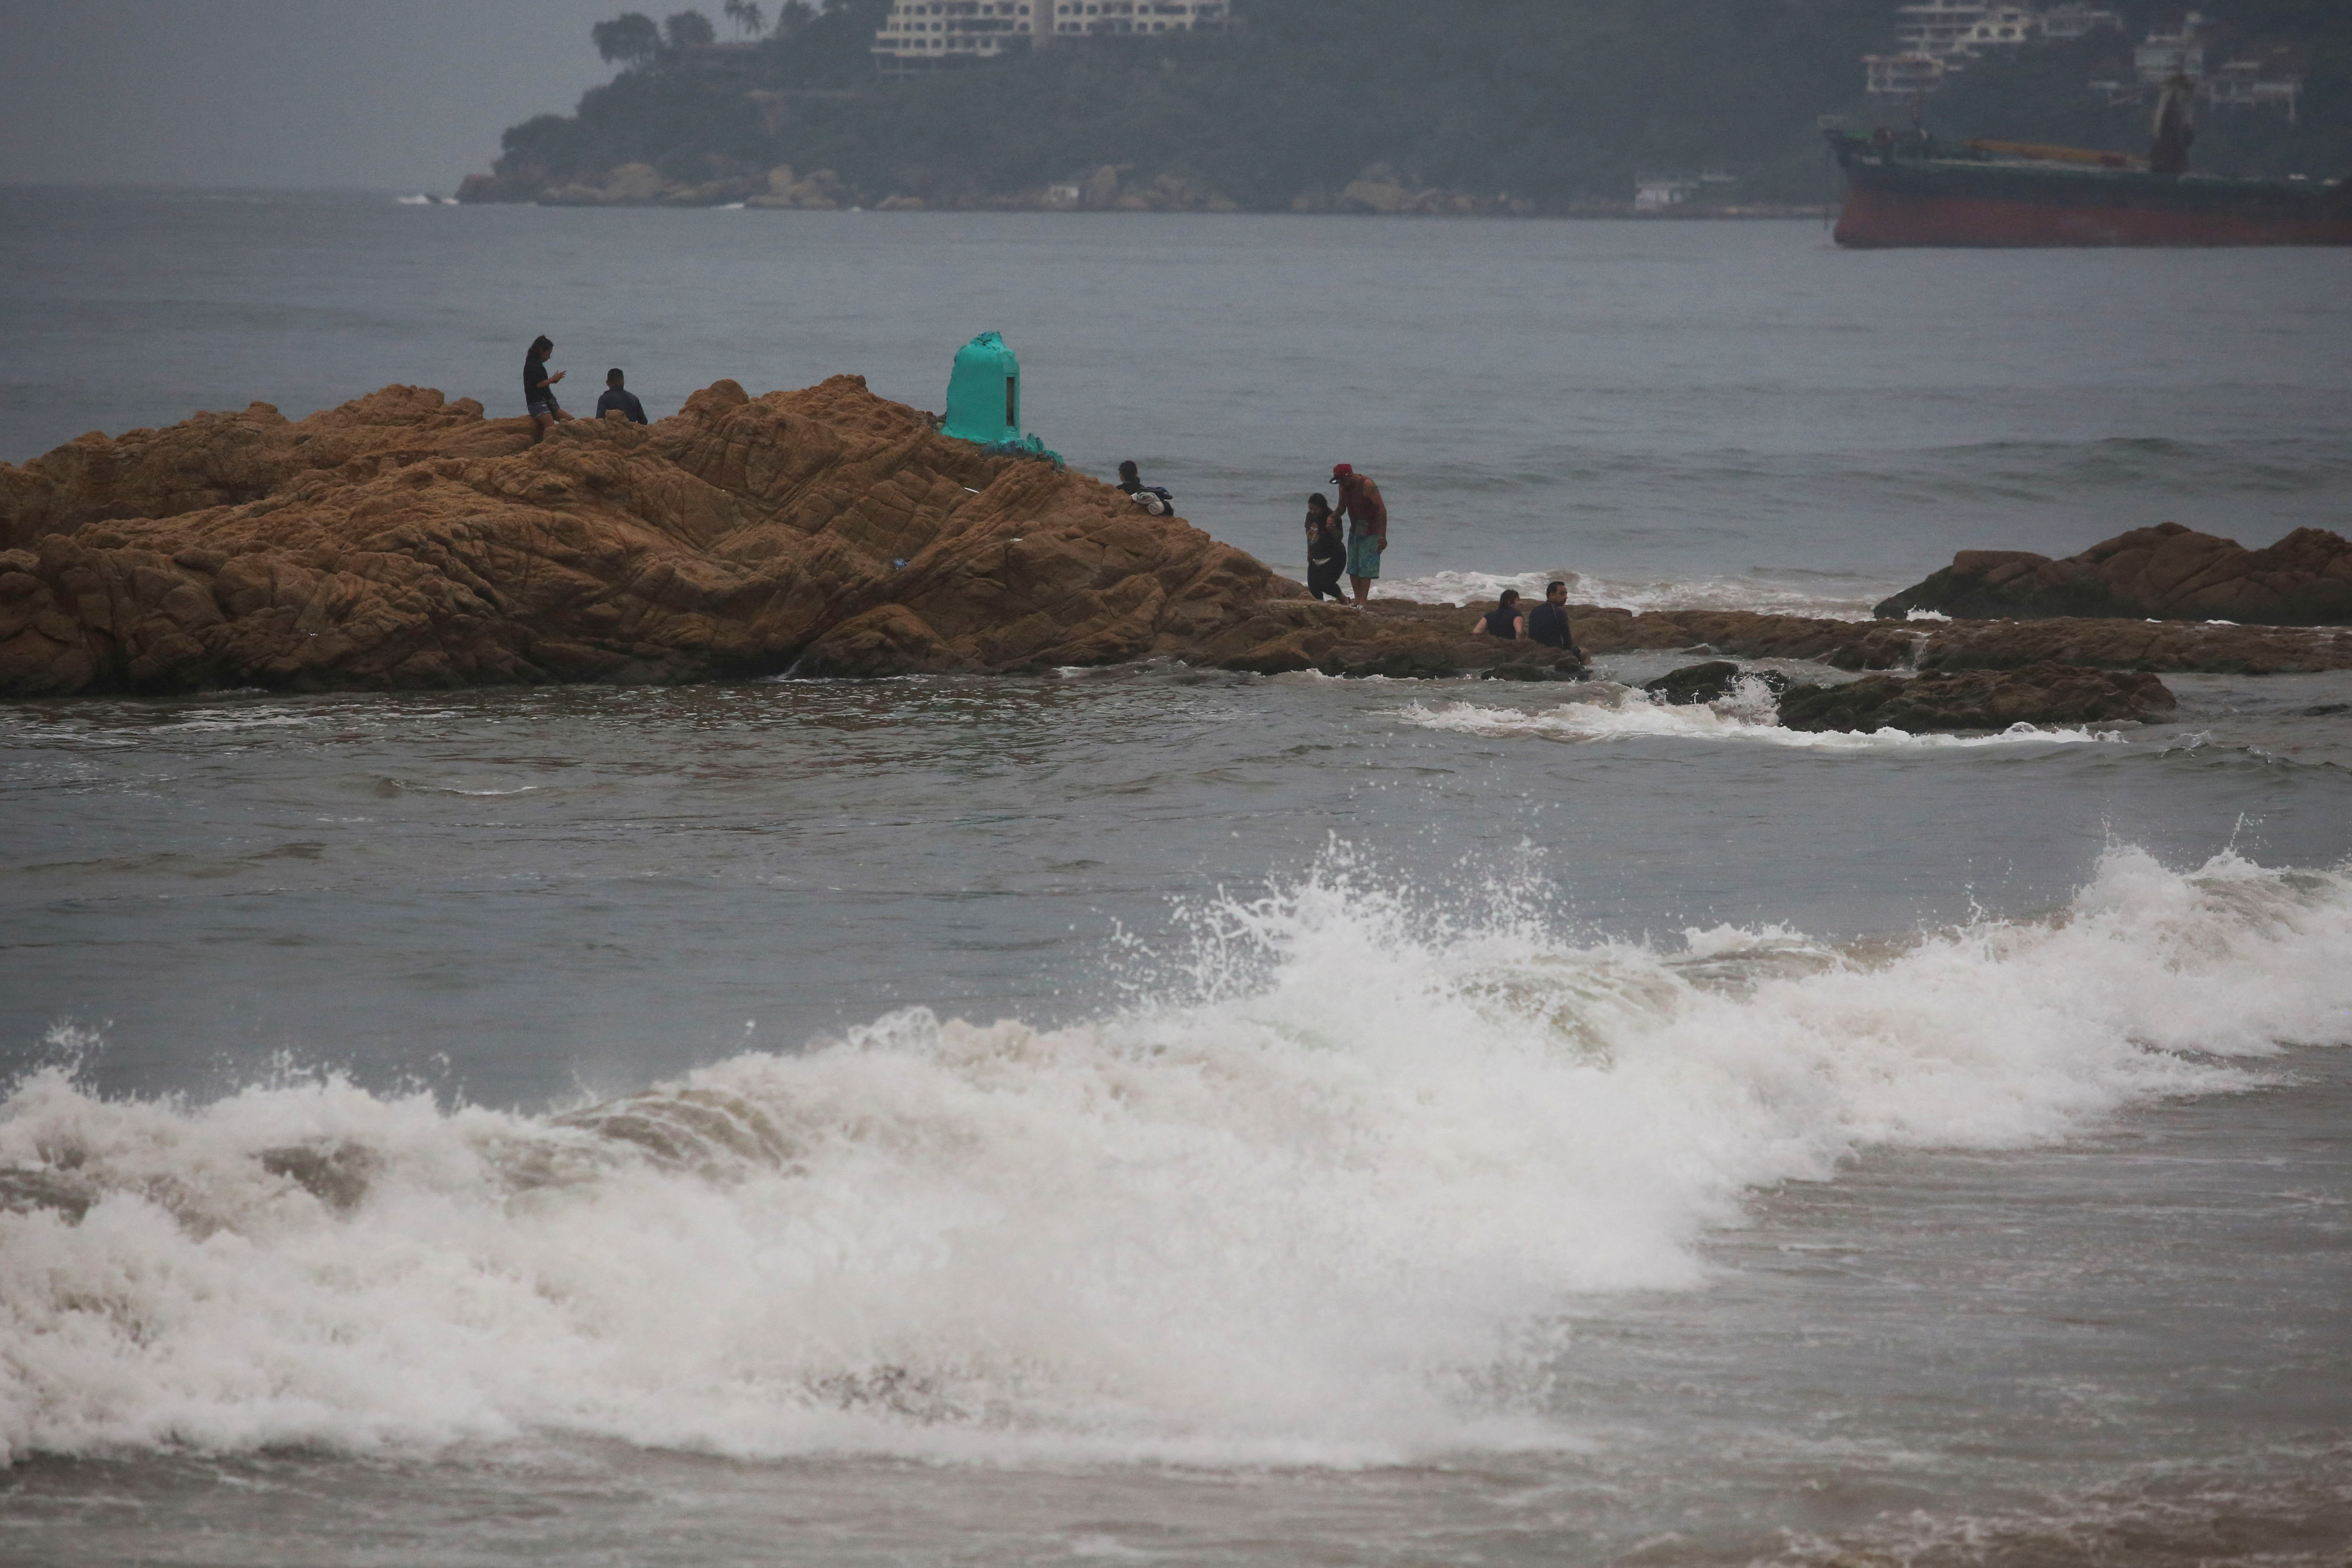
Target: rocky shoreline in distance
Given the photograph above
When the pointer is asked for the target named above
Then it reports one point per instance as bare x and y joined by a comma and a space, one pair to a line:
403, 542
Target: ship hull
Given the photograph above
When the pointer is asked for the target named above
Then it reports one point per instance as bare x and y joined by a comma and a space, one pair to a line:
1892, 203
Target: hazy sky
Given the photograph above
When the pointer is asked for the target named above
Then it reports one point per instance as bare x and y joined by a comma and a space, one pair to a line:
385, 94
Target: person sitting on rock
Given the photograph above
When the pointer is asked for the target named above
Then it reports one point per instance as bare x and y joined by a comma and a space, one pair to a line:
618, 399
1548, 622
1151, 498
1504, 620
1367, 528
1326, 550
539, 387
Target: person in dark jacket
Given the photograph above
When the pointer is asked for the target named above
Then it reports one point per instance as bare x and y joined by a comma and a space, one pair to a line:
1151, 498
1504, 620
1548, 622
619, 399
1326, 550
539, 386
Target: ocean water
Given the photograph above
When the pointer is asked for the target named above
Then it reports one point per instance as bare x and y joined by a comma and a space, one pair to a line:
1175, 1117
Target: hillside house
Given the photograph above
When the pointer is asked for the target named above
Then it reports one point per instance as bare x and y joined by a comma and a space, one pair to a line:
918, 35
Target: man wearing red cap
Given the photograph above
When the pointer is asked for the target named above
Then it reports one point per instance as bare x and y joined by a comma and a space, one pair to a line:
1367, 528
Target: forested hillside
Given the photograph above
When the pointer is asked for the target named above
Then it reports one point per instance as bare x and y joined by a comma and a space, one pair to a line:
1519, 105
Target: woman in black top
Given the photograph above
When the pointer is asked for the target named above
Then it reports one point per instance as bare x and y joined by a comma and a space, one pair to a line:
539, 387
1504, 620
1327, 549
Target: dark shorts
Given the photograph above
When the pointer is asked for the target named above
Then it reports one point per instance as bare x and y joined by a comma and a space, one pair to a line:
538, 406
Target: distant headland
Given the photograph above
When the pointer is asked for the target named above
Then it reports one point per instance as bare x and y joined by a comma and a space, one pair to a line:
1597, 107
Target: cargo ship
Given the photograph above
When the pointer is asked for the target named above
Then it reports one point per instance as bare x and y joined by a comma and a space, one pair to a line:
1913, 190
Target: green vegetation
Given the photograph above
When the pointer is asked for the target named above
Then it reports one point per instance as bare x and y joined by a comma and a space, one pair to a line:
1547, 102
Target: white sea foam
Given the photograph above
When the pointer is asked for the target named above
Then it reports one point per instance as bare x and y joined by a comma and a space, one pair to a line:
1327, 1198
1828, 600
1617, 713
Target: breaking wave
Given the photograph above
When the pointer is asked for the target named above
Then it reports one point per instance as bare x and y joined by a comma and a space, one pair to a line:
1615, 713
1326, 1192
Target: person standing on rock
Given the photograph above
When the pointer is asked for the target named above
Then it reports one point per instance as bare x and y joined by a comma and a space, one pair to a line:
619, 399
1367, 528
539, 387
1548, 622
1504, 620
1326, 550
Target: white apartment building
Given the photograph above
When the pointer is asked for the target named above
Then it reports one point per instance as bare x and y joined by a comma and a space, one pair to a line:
1933, 27
1115, 18
919, 33
922, 31
1903, 75
1941, 36
2168, 52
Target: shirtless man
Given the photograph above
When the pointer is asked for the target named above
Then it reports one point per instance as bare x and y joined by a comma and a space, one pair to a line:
1367, 528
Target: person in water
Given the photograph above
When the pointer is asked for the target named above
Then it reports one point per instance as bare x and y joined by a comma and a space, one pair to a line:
1326, 550
539, 386
619, 399
1548, 622
1151, 498
1367, 528
1504, 620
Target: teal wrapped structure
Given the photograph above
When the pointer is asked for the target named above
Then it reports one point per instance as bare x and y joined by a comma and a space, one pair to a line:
984, 393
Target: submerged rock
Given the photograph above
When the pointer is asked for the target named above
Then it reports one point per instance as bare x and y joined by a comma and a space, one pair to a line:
1709, 682
25, 1189
337, 1174
1978, 700
2168, 572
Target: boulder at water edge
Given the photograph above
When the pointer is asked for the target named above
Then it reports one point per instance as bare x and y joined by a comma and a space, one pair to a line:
1978, 700
2167, 572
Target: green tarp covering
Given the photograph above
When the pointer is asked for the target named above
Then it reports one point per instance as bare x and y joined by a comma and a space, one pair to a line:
984, 392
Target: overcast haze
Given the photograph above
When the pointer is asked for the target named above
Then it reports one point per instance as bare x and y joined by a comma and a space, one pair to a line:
396, 94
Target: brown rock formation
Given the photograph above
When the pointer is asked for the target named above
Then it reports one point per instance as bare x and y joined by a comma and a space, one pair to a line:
402, 542
2168, 573
1977, 700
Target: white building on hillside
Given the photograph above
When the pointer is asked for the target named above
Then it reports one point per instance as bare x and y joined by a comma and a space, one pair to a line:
920, 33
1939, 38
1122, 19
2168, 52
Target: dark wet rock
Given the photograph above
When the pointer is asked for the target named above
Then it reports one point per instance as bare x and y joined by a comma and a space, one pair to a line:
337, 1174
1978, 700
2323, 709
1709, 682
2157, 646
2167, 572
25, 1189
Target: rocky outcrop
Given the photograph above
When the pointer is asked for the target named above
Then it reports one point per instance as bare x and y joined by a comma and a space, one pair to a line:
1977, 700
2155, 647
403, 542
2167, 572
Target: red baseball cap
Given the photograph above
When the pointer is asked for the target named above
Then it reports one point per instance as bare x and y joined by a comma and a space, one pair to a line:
1341, 470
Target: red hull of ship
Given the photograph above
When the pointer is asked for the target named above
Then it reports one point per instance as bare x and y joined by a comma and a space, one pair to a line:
1879, 219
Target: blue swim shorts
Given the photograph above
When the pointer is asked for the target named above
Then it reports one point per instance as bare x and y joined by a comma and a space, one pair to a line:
1364, 556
